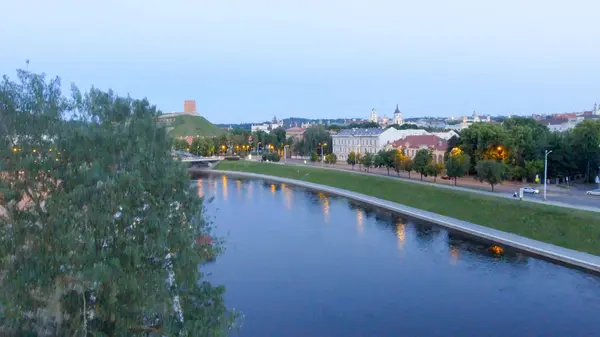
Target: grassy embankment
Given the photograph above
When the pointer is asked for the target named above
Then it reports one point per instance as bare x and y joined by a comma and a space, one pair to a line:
579, 230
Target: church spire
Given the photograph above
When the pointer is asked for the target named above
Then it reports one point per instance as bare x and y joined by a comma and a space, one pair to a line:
397, 111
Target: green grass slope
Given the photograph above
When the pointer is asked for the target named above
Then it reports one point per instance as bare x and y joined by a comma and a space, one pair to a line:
570, 228
194, 126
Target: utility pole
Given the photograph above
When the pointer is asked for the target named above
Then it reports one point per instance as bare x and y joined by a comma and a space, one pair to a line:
546, 171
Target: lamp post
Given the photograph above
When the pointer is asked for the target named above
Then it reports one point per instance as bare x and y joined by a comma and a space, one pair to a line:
358, 158
546, 171
323, 154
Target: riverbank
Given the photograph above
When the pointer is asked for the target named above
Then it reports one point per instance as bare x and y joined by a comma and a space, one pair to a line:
573, 229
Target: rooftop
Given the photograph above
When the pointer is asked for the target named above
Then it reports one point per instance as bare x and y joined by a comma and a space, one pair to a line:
430, 141
361, 132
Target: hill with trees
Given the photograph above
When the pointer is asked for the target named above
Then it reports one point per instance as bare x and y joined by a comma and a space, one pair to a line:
186, 125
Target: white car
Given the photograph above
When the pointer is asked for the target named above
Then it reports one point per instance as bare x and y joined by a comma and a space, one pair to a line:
593, 192
531, 190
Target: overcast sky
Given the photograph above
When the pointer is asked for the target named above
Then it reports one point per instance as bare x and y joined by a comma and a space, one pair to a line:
248, 60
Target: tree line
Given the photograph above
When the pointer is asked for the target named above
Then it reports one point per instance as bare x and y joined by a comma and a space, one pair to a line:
494, 152
520, 144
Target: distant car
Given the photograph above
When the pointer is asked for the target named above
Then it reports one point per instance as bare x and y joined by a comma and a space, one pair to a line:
593, 192
531, 190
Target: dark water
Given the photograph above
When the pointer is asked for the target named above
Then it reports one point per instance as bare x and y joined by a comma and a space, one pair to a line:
300, 263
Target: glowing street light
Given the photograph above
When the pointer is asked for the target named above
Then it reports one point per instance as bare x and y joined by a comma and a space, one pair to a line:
323, 154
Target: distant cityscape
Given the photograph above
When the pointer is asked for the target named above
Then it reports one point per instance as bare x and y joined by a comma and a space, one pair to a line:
377, 132
555, 122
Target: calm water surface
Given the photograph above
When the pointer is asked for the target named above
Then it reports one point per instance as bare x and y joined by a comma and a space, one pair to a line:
301, 263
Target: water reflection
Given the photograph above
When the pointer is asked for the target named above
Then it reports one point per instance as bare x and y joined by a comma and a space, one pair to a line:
400, 234
249, 190
200, 186
360, 215
425, 234
326, 209
238, 187
287, 197
483, 250
225, 189
291, 277
453, 255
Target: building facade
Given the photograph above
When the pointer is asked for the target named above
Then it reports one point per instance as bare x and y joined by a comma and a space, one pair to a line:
362, 140
412, 144
295, 133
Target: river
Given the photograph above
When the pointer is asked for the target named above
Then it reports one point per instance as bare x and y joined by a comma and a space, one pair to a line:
300, 263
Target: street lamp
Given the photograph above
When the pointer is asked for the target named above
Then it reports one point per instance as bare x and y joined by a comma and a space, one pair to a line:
358, 158
546, 171
323, 154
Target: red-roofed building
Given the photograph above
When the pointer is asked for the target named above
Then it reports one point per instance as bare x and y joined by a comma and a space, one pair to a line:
188, 139
295, 133
412, 144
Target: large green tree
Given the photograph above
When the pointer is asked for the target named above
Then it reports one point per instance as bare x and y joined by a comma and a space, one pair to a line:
386, 158
491, 171
457, 166
482, 141
314, 136
352, 159
421, 161
586, 147
368, 159
99, 233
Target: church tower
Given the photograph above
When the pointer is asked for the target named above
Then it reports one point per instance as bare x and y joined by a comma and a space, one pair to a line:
374, 118
398, 116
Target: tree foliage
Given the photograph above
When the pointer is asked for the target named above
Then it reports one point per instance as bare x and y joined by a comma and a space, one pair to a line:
352, 159
99, 227
434, 170
387, 159
491, 171
407, 165
180, 144
399, 157
367, 160
421, 161
331, 159
457, 166
314, 156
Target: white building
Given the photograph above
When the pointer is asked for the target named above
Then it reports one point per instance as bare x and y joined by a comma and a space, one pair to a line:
397, 117
266, 127
446, 135
374, 118
366, 140
562, 125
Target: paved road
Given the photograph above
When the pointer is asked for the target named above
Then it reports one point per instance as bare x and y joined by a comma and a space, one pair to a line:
573, 198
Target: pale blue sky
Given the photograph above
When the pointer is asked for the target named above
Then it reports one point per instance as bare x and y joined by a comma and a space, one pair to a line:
248, 60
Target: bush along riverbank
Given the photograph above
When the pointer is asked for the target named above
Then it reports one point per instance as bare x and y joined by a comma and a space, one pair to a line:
569, 228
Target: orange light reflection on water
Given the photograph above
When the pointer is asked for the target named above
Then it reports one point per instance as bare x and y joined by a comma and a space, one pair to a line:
360, 215
287, 196
200, 186
224, 180
400, 234
453, 255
